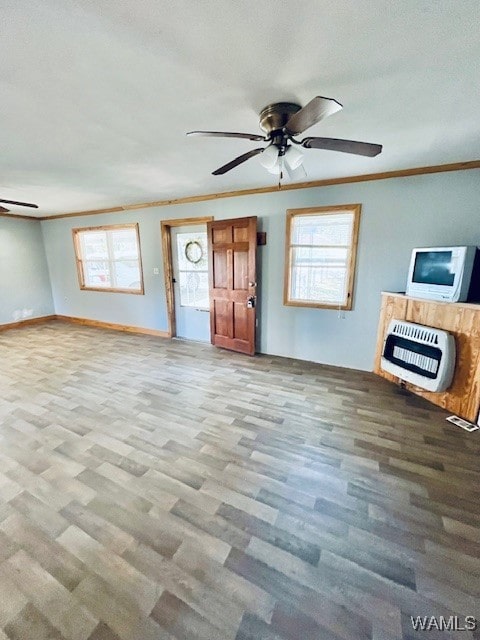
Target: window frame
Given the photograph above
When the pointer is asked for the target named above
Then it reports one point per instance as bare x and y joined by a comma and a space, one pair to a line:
351, 259
79, 259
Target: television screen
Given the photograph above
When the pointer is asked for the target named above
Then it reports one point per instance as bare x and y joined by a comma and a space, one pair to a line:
434, 267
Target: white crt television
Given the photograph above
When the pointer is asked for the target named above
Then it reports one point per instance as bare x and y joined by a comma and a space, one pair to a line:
443, 273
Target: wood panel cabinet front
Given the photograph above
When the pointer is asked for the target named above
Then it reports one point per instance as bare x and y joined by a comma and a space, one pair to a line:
462, 320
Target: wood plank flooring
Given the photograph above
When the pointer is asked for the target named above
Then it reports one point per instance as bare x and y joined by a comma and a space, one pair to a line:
154, 489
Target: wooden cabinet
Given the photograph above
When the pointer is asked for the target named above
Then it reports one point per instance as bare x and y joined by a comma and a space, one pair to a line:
460, 319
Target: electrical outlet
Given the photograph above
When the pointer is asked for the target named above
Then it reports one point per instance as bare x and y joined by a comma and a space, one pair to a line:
155, 271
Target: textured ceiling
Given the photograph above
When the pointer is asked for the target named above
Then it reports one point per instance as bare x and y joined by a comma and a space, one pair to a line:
97, 94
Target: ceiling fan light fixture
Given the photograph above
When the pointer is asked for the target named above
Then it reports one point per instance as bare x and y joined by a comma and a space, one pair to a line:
293, 157
269, 157
275, 170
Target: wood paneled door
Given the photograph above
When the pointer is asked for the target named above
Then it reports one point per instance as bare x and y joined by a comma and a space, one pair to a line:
232, 248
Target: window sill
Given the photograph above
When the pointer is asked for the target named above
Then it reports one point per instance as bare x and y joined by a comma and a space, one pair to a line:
318, 305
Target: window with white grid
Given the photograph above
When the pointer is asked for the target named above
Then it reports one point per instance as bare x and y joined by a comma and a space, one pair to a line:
321, 248
108, 258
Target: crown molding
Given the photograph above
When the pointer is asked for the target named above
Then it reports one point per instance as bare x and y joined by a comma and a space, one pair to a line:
3, 214
328, 182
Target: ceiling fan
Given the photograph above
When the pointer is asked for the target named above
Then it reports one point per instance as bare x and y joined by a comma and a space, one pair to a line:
282, 121
18, 204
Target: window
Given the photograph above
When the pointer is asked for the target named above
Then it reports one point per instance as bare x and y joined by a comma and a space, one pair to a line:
320, 256
192, 254
108, 258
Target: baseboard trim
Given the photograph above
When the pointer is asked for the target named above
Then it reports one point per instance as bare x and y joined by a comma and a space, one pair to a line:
26, 322
86, 322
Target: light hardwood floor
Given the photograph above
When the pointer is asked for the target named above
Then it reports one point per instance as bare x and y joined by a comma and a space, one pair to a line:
154, 489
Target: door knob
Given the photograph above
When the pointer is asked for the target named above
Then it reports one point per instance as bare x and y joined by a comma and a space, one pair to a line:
252, 284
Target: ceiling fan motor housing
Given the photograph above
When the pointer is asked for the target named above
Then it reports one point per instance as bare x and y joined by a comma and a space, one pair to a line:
275, 116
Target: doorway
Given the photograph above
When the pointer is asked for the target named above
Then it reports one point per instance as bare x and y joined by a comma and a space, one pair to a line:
210, 280
185, 259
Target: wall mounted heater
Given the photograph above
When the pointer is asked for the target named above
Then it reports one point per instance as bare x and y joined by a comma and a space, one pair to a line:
421, 355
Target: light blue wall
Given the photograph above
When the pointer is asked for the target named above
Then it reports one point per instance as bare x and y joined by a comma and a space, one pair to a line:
397, 215
24, 282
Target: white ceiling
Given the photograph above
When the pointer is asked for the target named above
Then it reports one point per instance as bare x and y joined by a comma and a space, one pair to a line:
97, 94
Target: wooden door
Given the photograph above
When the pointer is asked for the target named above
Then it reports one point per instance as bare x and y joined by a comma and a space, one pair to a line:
232, 248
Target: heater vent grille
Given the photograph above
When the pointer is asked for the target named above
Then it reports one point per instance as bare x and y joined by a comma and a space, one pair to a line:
416, 332
424, 356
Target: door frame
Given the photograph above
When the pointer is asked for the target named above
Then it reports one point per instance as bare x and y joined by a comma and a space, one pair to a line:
165, 232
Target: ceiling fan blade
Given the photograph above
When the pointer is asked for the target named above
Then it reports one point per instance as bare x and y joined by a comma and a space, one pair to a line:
313, 112
3, 210
345, 146
227, 134
234, 163
20, 204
